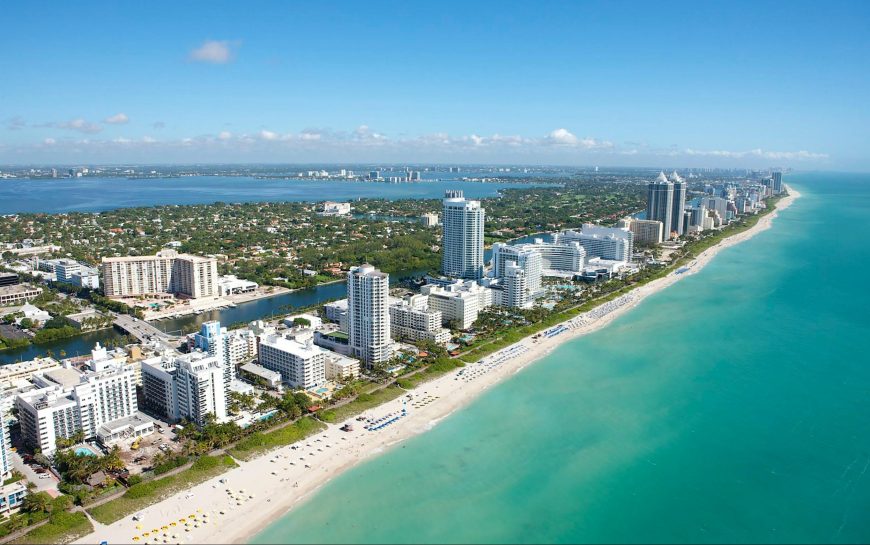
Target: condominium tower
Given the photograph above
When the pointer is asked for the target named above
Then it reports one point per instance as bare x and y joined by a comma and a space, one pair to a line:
166, 272
660, 202
368, 315
462, 244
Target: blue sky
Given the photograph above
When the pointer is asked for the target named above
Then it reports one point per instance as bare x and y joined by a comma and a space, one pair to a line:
585, 83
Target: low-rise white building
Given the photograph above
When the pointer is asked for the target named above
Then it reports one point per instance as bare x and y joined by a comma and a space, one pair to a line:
12, 497
341, 367
335, 208
313, 321
271, 379
232, 285
125, 429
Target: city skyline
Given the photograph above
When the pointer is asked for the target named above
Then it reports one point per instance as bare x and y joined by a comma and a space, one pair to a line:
765, 86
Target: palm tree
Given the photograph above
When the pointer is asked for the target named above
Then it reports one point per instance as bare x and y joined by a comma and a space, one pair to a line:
39, 502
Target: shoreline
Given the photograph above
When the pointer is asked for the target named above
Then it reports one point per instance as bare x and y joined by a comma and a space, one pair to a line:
279, 480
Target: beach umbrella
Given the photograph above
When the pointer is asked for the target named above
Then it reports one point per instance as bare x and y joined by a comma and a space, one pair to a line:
135, 538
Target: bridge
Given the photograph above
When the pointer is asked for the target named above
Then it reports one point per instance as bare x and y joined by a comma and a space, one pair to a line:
143, 331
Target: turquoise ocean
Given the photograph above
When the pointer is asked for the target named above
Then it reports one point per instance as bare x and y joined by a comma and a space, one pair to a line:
733, 406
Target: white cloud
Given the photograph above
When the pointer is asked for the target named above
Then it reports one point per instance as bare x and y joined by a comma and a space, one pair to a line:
801, 155
78, 124
365, 144
562, 137
118, 119
214, 52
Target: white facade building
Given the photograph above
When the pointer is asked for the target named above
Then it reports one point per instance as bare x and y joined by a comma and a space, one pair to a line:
462, 243
613, 244
232, 285
368, 316
340, 367
526, 257
166, 272
412, 320
185, 386
335, 208
429, 220
64, 269
301, 364
459, 302
67, 400
649, 232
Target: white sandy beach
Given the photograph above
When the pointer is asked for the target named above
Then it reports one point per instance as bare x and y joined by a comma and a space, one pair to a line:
260, 491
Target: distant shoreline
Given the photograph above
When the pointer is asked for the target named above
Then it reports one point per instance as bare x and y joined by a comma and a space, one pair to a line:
272, 498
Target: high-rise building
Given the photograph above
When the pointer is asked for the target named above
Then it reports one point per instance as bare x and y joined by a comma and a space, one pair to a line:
610, 243
5, 447
525, 256
648, 232
300, 363
166, 272
215, 341
679, 204
777, 182
660, 202
368, 315
517, 292
462, 243
185, 386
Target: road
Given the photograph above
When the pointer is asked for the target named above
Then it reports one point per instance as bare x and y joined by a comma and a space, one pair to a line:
143, 331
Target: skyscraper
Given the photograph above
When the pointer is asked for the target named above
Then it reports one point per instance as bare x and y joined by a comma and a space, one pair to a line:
777, 182
660, 202
462, 245
679, 204
368, 314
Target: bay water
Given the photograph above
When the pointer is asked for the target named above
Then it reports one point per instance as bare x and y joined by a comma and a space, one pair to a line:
733, 406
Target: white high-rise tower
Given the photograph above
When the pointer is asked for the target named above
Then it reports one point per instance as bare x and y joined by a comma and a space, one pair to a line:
462, 245
368, 314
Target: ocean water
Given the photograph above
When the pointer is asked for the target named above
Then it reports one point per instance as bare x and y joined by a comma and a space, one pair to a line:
733, 406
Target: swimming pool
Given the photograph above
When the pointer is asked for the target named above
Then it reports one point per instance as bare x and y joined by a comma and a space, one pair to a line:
84, 451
